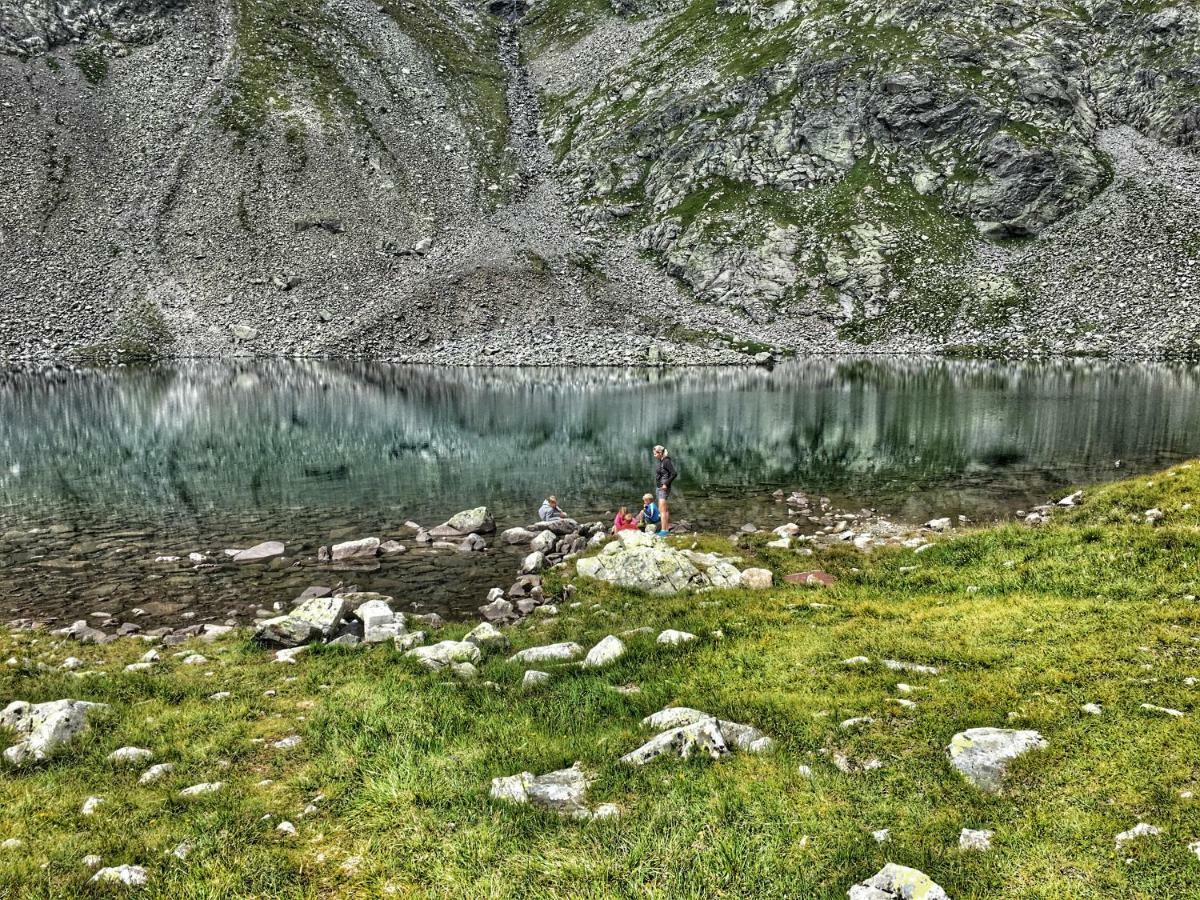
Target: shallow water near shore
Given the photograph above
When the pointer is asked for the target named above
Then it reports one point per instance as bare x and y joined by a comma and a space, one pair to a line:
102, 471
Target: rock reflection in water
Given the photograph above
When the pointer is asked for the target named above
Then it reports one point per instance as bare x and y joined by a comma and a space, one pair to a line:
129, 464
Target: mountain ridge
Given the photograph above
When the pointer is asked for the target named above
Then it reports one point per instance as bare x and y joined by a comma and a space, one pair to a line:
659, 182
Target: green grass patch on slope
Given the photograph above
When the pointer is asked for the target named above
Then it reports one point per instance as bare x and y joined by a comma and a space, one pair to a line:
1025, 625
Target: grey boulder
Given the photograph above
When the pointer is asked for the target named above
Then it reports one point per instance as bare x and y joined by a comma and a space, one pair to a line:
982, 755
43, 727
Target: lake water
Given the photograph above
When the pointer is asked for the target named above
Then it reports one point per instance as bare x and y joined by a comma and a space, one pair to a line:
101, 471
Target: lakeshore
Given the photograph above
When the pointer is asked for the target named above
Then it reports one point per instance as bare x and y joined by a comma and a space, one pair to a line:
1082, 629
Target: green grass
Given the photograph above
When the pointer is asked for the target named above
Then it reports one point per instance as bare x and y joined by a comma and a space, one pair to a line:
1025, 624
92, 63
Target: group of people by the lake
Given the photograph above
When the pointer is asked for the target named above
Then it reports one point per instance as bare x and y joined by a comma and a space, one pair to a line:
655, 513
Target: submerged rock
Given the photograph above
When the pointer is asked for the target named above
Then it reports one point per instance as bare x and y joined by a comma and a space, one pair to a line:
43, 727
982, 755
260, 552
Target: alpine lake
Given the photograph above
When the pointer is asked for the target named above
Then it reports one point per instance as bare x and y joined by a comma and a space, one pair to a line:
106, 474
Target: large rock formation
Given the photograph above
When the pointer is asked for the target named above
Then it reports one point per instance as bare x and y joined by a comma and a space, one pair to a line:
435, 182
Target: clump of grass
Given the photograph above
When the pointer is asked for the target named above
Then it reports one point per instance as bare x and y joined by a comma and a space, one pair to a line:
1025, 625
92, 63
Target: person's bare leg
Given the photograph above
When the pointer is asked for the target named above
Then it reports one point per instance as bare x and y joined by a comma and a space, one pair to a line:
664, 510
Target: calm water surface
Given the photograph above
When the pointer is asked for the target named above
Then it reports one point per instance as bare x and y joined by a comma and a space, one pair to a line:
102, 471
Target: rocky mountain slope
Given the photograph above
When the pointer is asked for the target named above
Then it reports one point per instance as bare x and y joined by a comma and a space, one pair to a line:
585, 181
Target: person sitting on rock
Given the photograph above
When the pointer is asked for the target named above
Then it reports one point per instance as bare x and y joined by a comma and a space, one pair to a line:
623, 521
549, 510
649, 517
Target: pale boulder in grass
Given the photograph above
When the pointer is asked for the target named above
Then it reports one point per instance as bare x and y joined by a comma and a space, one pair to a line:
757, 579
686, 732
130, 756
608, 650
894, 882
444, 654
671, 637
563, 791
130, 876
156, 773
43, 727
564, 652
972, 839
982, 755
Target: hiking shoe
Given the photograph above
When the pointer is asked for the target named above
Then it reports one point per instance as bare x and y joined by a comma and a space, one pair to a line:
662, 534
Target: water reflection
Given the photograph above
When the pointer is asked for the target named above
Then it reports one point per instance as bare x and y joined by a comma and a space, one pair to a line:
204, 441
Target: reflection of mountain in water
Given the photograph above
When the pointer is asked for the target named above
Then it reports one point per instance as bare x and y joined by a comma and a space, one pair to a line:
232, 436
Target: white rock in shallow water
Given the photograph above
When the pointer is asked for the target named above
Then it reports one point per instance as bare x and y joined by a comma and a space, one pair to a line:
672, 637
982, 755
894, 882
130, 755
367, 547
606, 651
42, 727
563, 652
130, 876
970, 839
155, 773
1141, 829
260, 552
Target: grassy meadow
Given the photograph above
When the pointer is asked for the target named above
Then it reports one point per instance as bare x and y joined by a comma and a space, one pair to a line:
388, 788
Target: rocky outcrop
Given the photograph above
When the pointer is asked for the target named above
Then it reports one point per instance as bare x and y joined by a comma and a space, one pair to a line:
641, 561
689, 732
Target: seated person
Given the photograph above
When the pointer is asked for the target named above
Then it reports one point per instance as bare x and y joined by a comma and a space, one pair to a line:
549, 510
623, 521
649, 514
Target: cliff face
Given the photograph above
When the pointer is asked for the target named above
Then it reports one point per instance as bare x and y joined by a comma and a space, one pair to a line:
580, 181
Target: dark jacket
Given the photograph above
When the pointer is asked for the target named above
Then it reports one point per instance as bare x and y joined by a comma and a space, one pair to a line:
665, 472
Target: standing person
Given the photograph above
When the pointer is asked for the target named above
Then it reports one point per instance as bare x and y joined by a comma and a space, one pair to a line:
664, 475
549, 510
